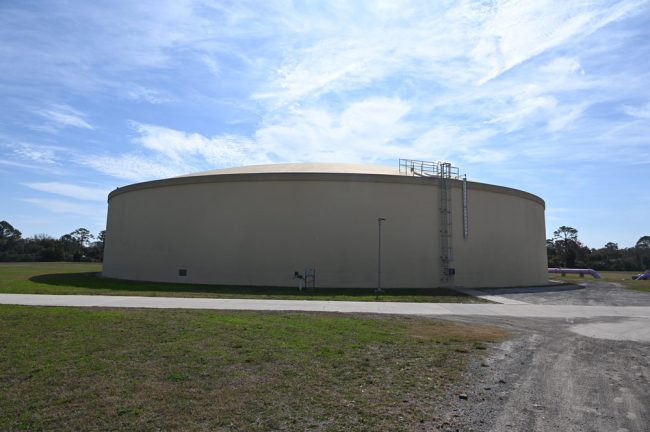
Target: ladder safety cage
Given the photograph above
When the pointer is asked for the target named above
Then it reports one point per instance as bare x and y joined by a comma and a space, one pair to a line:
418, 168
446, 252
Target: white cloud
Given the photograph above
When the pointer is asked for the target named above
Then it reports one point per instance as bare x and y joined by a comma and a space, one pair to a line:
212, 65
565, 116
466, 44
370, 129
163, 152
642, 112
85, 193
17, 164
527, 105
561, 67
183, 147
453, 143
65, 207
515, 31
147, 95
350, 81
43, 154
133, 166
59, 116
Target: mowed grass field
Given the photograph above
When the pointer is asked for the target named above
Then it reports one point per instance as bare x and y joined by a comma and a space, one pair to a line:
111, 369
623, 278
84, 278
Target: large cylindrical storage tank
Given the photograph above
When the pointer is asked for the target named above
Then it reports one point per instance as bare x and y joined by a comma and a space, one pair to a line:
258, 225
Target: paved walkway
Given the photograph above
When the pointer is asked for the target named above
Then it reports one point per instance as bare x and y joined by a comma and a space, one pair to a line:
512, 310
487, 296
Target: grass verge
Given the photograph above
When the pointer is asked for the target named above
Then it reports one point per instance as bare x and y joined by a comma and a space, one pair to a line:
623, 278
78, 278
111, 369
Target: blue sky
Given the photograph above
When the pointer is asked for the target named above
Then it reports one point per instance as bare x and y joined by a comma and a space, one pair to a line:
551, 97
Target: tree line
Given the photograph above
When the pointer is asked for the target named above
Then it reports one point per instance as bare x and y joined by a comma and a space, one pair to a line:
566, 250
79, 245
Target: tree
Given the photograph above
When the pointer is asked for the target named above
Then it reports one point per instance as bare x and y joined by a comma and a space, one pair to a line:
10, 242
42, 247
82, 236
75, 246
566, 243
8, 235
566, 233
70, 247
96, 249
643, 243
642, 249
8, 232
554, 260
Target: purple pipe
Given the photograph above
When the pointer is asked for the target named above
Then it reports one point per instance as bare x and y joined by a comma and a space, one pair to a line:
643, 276
581, 272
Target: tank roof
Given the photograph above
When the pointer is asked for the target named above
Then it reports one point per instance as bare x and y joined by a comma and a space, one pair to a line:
330, 168
309, 171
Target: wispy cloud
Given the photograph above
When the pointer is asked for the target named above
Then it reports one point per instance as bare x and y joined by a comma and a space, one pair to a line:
59, 116
642, 112
133, 166
85, 193
471, 44
43, 154
65, 207
17, 164
514, 31
371, 129
182, 147
163, 152
151, 96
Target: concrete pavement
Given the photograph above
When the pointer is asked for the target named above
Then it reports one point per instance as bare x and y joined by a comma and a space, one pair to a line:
505, 310
489, 297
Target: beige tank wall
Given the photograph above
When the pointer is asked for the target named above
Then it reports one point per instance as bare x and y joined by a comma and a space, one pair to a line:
260, 232
506, 245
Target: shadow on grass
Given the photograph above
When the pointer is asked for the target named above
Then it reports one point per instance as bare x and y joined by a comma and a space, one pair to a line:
94, 281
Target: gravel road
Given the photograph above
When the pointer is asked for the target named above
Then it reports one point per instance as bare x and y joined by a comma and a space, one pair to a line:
591, 293
551, 377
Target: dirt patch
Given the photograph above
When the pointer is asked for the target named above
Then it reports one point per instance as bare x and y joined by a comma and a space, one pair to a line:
550, 378
592, 293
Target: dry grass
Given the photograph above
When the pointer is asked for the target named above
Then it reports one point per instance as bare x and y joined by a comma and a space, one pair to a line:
80, 369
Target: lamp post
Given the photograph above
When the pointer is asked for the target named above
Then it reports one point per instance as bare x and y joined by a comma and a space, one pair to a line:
379, 221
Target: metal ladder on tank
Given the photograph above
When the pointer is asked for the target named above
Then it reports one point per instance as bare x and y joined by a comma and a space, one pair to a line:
446, 252
444, 172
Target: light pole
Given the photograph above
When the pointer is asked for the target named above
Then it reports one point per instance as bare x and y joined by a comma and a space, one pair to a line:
379, 221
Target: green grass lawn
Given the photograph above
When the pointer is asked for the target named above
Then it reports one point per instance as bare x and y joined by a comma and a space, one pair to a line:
624, 278
111, 369
81, 278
